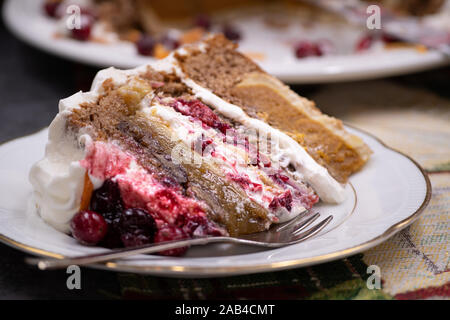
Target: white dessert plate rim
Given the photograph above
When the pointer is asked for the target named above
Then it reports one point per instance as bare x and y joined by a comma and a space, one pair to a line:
13, 233
27, 22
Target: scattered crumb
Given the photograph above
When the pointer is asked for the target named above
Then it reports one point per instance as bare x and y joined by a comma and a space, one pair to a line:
258, 56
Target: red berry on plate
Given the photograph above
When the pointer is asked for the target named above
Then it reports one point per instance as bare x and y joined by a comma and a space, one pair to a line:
84, 31
146, 45
112, 238
364, 43
231, 33
205, 144
203, 21
387, 38
305, 49
51, 8
137, 227
88, 227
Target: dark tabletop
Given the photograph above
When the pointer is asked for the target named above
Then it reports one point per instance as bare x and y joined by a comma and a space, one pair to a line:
31, 84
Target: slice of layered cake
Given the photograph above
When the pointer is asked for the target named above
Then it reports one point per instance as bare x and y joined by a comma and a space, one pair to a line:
201, 143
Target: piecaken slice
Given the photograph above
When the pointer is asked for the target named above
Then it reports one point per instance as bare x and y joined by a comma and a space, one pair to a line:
201, 143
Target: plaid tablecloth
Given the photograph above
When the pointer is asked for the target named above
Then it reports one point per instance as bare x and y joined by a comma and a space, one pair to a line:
413, 263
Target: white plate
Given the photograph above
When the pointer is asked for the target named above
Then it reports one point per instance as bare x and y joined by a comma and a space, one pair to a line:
26, 20
386, 196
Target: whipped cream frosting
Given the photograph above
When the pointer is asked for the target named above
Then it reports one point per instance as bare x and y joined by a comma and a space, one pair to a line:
58, 178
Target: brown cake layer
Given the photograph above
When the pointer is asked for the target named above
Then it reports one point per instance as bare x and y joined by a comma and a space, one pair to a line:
237, 79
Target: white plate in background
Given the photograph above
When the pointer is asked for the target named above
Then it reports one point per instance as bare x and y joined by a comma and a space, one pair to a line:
27, 21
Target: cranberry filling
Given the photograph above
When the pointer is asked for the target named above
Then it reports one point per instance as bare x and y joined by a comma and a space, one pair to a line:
206, 143
200, 111
171, 233
279, 178
245, 182
107, 198
284, 200
112, 225
137, 227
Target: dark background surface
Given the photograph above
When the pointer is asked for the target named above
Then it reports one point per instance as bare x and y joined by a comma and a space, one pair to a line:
31, 84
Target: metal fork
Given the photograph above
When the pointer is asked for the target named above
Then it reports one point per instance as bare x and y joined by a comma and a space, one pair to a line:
281, 235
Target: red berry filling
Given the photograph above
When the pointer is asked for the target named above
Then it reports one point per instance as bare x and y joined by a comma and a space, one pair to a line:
171, 233
300, 194
207, 144
231, 33
200, 111
245, 182
105, 161
135, 205
107, 199
137, 227
284, 200
113, 226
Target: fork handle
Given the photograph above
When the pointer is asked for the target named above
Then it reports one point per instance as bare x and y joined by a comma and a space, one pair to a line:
49, 264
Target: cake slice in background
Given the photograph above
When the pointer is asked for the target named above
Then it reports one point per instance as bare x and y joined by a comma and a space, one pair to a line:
411, 7
202, 143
